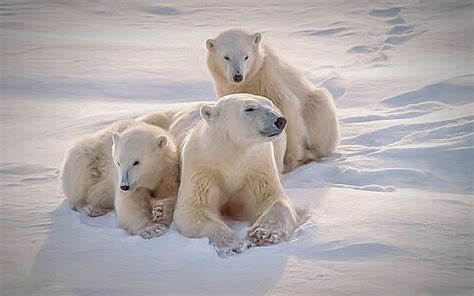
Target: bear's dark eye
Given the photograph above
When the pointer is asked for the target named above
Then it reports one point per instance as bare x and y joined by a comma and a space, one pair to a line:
246, 58
136, 163
118, 163
250, 109
226, 57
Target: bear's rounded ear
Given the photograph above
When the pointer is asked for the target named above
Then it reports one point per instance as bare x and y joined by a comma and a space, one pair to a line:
256, 38
161, 142
208, 113
210, 44
115, 138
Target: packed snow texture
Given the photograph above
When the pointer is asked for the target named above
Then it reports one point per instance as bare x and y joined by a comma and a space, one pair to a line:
391, 211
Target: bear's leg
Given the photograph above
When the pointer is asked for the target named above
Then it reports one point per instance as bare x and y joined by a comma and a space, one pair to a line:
275, 224
134, 212
279, 149
197, 214
162, 209
100, 199
203, 223
319, 113
296, 133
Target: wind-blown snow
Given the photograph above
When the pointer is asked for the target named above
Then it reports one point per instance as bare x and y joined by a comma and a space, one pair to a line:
391, 211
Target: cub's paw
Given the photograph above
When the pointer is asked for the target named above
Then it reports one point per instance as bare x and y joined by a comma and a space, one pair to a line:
152, 231
233, 249
266, 234
157, 212
162, 210
92, 211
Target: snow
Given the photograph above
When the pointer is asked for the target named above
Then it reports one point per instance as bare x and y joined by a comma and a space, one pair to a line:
391, 211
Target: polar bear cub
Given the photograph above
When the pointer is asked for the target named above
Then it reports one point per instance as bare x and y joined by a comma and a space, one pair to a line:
147, 165
91, 180
88, 172
240, 63
228, 166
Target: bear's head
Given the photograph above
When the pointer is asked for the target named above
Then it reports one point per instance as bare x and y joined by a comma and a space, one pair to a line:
245, 118
135, 153
235, 55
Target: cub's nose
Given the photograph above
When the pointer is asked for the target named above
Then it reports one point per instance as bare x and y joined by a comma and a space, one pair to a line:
124, 187
237, 78
280, 122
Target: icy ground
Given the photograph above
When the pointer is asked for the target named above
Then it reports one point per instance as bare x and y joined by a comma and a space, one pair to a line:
391, 211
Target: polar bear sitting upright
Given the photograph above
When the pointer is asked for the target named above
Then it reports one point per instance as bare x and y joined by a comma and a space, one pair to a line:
228, 166
147, 163
240, 63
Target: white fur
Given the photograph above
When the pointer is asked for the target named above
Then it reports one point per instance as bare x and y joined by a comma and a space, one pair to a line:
179, 122
227, 166
146, 159
88, 174
313, 128
90, 179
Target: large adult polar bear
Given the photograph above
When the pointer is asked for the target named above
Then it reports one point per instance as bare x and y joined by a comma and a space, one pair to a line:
240, 63
227, 165
181, 120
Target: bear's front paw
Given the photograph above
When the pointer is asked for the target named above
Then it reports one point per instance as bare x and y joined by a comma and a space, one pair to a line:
92, 211
152, 231
266, 233
157, 212
162, 210
233, 249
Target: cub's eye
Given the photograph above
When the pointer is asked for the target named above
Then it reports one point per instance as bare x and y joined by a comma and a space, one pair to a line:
227, 58
246, 58
250, 109
118, 163
136, 163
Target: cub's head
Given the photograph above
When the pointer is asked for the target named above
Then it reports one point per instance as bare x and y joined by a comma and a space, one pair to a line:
245, 118
135, 153
235, 55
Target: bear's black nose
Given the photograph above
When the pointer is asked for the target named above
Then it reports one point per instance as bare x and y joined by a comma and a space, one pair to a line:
280, 122
124, 187
237, 78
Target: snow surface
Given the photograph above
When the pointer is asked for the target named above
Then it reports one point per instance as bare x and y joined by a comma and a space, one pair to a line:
391, 211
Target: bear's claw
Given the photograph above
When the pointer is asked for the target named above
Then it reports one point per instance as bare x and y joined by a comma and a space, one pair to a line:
263, 236
152, 231
92, 211
157, 212
234, 249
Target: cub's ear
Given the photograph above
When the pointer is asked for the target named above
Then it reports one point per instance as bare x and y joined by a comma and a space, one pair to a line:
115, 138
256, 38
210, 44
208, 113
161, 142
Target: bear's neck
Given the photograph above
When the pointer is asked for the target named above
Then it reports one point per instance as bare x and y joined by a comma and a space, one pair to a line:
219, 145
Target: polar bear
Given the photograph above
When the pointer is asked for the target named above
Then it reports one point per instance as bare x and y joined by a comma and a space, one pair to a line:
228, 166
87, 172
239, 62
147, 165
180, 121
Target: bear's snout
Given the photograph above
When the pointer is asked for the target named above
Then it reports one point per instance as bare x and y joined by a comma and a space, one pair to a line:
124, 187
237, 78
280, 122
